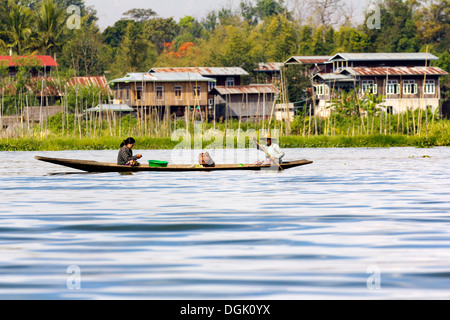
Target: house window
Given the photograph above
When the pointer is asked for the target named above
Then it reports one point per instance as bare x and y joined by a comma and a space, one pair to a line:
211, 85
319, 90
369, 86
197, 92
390, 110
409, 87
128, 93
392, 87
159, 93
118, 92
210, 102
430, 87
230, 82
12, 74
139, 93
178, 92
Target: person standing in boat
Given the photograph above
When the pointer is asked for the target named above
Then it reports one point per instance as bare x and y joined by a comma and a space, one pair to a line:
125, 157
274, 154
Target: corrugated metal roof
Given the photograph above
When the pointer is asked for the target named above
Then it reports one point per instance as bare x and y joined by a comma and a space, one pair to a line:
111, 107
99, 81
163, 77
204, 71
12, 61
333, 77
50, 86
269, 66
400, 71
384, 56
250, 89
307, 59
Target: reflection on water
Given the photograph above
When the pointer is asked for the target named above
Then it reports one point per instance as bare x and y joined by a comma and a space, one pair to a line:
318, 231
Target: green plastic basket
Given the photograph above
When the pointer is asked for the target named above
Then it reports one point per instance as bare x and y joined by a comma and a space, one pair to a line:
158, 164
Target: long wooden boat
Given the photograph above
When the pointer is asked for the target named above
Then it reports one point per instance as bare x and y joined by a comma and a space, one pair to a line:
97, 167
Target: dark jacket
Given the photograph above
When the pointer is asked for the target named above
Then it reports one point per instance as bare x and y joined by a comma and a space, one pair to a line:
125, 155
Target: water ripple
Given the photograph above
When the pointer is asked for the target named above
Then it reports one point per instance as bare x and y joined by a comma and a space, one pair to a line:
311, 232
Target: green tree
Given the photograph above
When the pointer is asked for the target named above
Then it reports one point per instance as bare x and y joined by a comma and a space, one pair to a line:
281, 38
139, 15
433, 24
113, 36
136, 52
18, 33
268, 8
189, 31
305, 40
236, 49
248, 11
50, 20
210, 22
160, 31
84, 51
398, 30
349, 39
298, 83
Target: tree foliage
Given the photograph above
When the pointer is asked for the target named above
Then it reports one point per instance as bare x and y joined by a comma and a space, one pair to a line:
256, 31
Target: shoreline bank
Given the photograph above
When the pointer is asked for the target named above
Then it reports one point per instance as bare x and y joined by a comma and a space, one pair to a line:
150, 143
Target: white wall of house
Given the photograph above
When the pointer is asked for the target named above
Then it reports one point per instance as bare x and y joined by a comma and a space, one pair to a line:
402, 105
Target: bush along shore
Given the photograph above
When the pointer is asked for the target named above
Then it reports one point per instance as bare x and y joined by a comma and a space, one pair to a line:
156, 143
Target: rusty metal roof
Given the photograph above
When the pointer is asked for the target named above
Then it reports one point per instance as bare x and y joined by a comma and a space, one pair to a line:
307, 59
250, 89
46, 86
99, 81
204, 71
269, 66
410, 56
398, 71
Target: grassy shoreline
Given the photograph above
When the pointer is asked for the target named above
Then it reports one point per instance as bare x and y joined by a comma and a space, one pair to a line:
150, 143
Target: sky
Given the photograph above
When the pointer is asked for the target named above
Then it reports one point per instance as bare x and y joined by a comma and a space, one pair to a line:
109, 11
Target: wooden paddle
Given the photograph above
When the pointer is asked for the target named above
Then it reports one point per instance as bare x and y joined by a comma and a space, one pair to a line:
265, 151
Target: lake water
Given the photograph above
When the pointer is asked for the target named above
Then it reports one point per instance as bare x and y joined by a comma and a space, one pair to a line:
358, 224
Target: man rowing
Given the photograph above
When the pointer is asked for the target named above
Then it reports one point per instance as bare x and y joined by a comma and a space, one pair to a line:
274, 154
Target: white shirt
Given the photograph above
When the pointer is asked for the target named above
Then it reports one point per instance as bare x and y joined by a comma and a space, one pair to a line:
274, 151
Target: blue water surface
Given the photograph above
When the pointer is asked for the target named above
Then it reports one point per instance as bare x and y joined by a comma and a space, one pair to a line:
358, 224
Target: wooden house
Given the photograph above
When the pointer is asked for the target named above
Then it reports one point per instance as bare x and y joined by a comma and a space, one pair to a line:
39, 66
223, 76
256, 100
174, 92
407, 81
312, 64
269, 72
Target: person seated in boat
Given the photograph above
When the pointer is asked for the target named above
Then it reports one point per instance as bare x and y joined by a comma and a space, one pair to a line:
205, 160
125, 157
274, 154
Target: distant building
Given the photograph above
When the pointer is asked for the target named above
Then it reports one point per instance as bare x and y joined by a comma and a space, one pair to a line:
223, 76
94, 81
270, 72
173, 92
407, 81
256, 100
312, 64
40, 66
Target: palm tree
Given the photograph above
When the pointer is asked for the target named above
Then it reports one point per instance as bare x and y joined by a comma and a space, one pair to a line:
19, 22
50, 20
